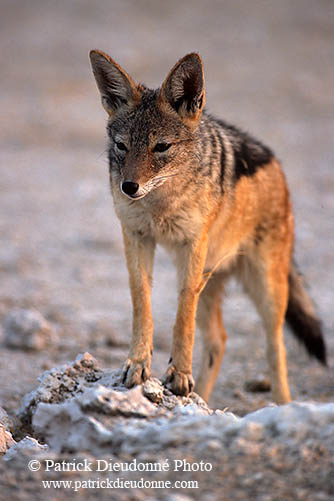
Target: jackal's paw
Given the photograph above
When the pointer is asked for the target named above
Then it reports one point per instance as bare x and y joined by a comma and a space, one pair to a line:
135, 372
180, 383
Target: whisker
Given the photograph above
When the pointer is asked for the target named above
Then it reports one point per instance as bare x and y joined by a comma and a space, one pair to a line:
103, 153
165, 177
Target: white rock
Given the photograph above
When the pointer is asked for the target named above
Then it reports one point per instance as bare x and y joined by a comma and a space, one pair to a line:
61, 383
4, 418
129, 403
178, 497
27, 330
66, 428
190, 410
153, 390
27, 445
78, 407
294, 419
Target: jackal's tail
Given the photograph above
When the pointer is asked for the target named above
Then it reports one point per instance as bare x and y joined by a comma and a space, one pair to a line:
302, 318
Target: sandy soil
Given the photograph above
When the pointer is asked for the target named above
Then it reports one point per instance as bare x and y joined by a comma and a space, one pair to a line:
268, 69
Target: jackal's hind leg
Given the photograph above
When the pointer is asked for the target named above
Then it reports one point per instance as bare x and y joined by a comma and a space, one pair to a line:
210, 322
266, 282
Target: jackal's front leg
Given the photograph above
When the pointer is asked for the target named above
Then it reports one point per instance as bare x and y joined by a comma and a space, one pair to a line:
190, 264
139, 257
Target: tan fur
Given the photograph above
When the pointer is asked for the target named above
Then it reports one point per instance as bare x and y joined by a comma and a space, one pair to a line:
262, 270
243, 228
222, 240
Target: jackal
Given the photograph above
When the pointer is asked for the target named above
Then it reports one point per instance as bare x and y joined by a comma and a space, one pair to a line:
218, 201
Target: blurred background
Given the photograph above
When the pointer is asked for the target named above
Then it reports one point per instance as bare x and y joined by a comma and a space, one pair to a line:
269, 69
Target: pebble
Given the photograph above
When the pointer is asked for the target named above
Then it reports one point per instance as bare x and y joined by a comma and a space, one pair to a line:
27, 330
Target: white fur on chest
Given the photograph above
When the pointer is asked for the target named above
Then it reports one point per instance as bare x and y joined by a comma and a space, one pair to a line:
170, 225
166, 224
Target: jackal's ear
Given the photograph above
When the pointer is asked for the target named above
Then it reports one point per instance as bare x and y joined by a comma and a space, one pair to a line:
116, 87
184, 88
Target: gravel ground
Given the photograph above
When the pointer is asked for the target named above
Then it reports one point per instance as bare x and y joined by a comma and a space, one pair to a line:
268, 69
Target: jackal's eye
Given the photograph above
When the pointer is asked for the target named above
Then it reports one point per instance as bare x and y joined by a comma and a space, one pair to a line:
121, 146
160, 147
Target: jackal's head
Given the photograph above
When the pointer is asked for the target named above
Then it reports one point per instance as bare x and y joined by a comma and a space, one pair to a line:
152, 132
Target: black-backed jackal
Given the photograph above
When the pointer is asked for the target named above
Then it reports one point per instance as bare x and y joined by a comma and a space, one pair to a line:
218, 201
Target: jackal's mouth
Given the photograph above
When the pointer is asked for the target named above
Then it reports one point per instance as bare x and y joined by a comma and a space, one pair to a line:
136, 196
145, 189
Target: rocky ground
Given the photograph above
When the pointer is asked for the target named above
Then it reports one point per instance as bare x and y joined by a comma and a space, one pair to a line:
268, 69
93, 435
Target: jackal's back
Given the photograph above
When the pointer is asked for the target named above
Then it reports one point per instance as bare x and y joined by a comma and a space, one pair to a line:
228, 154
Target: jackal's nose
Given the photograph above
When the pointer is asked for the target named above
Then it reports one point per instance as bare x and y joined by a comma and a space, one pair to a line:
129, 188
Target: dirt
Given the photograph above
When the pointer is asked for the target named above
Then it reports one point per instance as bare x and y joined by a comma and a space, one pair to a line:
268, 69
